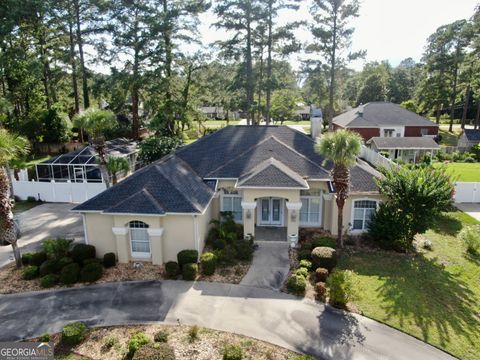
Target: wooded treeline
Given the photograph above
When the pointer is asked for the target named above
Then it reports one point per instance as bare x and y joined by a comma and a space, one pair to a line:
51, 50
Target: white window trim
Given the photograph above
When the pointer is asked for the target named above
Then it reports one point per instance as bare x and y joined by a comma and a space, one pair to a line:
320, 215
360, 231
140, 255
239, 196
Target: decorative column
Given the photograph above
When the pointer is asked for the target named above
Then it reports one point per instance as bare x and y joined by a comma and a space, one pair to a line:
156, 246
249, 217
293, 218
121, 239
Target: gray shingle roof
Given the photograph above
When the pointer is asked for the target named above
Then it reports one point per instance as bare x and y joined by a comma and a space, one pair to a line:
166, 186
272, 173
404, 143
472, 135
376, 114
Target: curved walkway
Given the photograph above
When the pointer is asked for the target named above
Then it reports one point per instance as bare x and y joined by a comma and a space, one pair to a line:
279, 318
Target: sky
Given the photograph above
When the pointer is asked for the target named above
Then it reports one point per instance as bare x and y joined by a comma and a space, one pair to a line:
388, 29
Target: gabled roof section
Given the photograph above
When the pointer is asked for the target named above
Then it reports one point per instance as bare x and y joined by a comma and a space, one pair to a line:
272, 173
377, 114
388, 143
166, 186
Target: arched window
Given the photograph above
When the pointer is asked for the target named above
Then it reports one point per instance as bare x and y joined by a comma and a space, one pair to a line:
362, 213
139, 239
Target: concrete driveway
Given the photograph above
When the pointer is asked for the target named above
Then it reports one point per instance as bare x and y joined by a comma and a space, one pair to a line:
472, 209
298, 324
43, 222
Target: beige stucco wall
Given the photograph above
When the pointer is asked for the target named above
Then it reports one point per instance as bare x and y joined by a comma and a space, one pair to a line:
99, 233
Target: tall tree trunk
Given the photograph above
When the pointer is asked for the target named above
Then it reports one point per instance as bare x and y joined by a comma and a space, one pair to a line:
341, 181
465, 106
477, 117
99, 146
86, 99
135, 84
45, 73
260, 83
331, 90
269, 64
74, 67
249, 70
454, 90
168, 71
437, 112
8, 227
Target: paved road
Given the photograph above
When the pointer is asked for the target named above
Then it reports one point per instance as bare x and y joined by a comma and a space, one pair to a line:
270, 265
471, 209
43, 222
279, 318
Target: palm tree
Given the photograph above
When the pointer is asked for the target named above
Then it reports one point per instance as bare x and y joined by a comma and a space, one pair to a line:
11, 148
116, 165
342, 148
95, 123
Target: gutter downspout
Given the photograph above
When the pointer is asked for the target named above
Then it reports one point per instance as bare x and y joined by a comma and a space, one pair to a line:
85, 228
195, 232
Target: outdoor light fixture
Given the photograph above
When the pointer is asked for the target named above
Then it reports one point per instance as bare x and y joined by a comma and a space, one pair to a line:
249, 214
293, 216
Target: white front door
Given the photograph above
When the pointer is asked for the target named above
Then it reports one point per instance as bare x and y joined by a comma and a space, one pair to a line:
270, 212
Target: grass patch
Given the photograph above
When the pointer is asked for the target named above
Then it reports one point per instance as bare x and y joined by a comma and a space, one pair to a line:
21, 206
434, 296
448, 138
469, 172
219, 123
302, 122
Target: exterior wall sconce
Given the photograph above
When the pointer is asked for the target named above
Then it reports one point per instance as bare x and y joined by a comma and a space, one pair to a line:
248, 214
293, 216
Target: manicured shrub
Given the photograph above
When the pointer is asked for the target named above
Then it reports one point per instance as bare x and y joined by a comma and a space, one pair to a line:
325, 257
296, 284
155, 352
91, 272
193, 333
109, 260
187, 257
219, 244
30, 272
109, 341
136, 341
37, 258
189, 271
226, 256
63, 262
74, 333
45, 337
305, 264
49, 266
244, 250
26, 259
48, 280
321, 274
320, 290
69, 274
209, 262
341, 287
232, 352
470, 236
306, 246
302, 272
92, 261
303, 357
304, 255
81, 252
324, 241
56, 248
172, 269
161, 336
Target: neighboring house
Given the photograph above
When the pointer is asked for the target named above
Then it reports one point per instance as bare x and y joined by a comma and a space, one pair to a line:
389, 127
468, 139
213, 112
267, 176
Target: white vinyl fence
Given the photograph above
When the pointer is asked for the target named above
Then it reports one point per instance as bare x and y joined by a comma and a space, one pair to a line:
62, 192
467, 192
375, 158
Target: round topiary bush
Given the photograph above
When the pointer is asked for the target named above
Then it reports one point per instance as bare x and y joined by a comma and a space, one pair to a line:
48, 267
160, 351
304, 255
82, 252
323, 241
218, 244
73, 334
244, 250
321, 274
325, 257
37, 258
172, 269
232, 352
109, 260
296, 284
209, 263
69, 274
305, 264
136, 342
306, 246
63, 262
91, 272
302, 272
30, 272
187, 257
189, 271
26, 259
48, 280
320, 290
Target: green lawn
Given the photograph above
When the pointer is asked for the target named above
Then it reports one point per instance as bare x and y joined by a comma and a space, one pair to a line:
21, 206
219, 123
303, 122
434, 296
463, 171
449, 138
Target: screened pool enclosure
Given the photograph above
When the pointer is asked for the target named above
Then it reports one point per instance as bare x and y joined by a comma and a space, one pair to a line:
82, 165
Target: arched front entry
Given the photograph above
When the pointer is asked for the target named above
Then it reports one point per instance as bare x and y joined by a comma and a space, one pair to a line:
271, 211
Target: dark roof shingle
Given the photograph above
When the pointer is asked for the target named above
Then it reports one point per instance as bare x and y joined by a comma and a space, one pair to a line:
404, 143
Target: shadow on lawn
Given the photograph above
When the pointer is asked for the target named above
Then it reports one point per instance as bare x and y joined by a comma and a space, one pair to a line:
418, 289
447, 225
